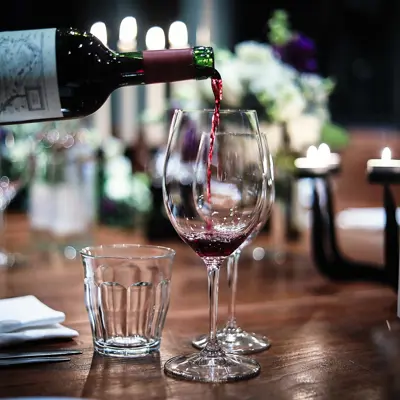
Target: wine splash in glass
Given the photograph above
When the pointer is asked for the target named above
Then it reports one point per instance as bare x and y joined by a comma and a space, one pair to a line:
214, 193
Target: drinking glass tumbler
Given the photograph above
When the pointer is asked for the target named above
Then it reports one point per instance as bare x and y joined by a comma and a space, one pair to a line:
127, 293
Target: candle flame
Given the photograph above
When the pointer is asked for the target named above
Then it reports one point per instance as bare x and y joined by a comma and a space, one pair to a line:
386, 154
312, 152
99, 30
128, 30
178, 35
155, 38
324, 150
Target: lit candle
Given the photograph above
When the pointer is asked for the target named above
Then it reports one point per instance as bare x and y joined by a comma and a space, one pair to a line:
203, 31
183, 92
129, 94
155, 95
385, 169
178, 35
318, 162
102, 121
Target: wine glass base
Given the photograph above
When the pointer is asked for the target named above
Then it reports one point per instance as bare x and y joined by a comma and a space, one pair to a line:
236, 341
223, 368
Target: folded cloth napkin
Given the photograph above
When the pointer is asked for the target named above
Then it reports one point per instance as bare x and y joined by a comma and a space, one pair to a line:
55, 331
27, 318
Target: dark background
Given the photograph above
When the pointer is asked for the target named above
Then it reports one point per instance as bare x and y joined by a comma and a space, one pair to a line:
358, 40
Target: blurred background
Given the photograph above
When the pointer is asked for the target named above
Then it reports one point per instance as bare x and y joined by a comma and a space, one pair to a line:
358, 41
336, 65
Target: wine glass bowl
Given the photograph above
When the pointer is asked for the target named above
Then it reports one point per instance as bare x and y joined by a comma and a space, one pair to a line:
214, 192
232, 337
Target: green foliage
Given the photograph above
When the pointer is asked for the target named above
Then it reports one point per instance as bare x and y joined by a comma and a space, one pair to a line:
284, 163
279, 29
334, 136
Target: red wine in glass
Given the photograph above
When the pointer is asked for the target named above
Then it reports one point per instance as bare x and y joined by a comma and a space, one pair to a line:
216, 85
214, 244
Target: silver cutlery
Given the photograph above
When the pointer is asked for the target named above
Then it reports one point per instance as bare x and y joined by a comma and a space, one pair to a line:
33, 360
33, 354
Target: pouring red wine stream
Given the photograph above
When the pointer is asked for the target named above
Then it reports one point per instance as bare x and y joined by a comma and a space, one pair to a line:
211, 243
216, 85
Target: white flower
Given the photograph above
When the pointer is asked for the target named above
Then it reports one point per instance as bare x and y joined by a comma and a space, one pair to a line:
315, 88
254, 52
113, 147
255, 60
276, 89
304, 131
269, 81
223, 55
289, 104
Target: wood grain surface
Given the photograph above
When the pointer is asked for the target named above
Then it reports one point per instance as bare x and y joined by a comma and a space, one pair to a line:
329, 341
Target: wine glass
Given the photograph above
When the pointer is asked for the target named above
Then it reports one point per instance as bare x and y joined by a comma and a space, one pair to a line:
233, 338
214, 200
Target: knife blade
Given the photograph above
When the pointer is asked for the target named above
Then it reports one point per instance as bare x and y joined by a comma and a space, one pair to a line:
35, 360
32, 354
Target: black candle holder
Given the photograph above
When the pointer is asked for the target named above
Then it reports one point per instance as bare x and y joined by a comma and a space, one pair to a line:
327, 255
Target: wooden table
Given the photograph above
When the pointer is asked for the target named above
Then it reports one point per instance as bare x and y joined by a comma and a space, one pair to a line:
329, 341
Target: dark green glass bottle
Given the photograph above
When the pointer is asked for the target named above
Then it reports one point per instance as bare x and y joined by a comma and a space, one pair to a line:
52, 74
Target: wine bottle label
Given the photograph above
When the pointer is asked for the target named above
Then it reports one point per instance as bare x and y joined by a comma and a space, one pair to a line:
28, 76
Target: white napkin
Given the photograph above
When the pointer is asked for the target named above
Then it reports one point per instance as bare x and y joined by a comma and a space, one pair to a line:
55, 331
26, 312
27, 318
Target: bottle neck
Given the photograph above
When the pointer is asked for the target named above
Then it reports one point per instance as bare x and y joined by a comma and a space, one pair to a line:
161, 66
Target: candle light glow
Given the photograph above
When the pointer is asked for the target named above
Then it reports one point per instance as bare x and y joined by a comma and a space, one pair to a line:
128, 30
102, 118
183, 93
156, 94
127, 34
384, 169
318, 160
312, 152
155, 38
99, 30
385, 161
128, 95
178, 35
386, 154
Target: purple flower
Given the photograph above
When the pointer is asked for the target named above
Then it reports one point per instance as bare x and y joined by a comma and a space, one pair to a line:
299, 52
3, 133
190, 145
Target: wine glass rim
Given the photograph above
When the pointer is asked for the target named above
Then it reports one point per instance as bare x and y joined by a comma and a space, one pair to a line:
211, 110
92, 251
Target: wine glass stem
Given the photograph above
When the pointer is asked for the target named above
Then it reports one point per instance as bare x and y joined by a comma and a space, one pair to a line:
213, 278
233, 262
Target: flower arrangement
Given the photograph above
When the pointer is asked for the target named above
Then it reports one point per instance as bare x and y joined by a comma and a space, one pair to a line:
279, 80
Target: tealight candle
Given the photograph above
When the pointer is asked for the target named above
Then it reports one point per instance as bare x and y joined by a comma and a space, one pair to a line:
318, 162
385, 169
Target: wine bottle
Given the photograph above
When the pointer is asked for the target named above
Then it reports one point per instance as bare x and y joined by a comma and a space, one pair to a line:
52, 74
